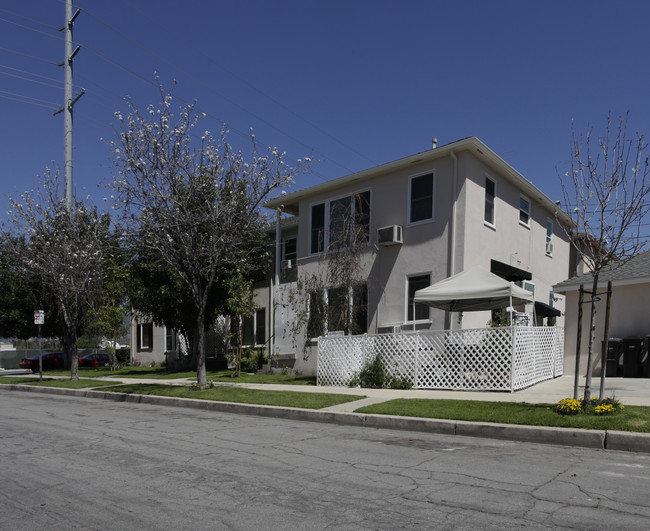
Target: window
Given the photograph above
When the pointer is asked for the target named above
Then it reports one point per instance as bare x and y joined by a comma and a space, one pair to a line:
254, 329
421, 198
289, 249
145, 336
347, 220
317, 228
524, 211
415, 283
527, 285
490, 192
549, 237
171, 340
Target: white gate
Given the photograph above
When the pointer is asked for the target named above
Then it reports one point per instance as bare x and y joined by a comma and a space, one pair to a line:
482, 359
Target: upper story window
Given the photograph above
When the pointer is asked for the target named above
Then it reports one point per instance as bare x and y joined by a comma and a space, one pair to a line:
490, 194
415, 283
347, 220
421, 198
289, 249
524, 211
549, 237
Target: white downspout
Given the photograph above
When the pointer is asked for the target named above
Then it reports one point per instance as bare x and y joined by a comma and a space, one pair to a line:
276, 279
451, 268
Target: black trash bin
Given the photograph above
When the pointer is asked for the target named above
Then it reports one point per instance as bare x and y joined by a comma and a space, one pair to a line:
645, 364
614, 353
632, 350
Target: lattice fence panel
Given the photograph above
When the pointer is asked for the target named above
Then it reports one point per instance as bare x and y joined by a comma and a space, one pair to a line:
485, 359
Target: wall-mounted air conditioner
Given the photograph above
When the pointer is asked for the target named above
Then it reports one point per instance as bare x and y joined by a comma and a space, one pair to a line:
286, 264
391, 235
389, 329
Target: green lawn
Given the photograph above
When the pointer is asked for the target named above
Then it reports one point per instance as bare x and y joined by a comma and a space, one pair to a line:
241, 395
48, 382
160, 373
632, 418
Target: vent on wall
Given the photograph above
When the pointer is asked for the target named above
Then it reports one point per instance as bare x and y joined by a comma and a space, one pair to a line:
391, 235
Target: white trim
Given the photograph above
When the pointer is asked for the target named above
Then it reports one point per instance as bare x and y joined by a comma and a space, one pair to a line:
431, 172
548, 239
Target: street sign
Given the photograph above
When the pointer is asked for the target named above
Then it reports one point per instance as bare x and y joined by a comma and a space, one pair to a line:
39, 317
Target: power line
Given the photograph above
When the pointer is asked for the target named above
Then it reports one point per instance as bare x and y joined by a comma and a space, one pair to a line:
211, 89
16, 52
20, 98
248, 83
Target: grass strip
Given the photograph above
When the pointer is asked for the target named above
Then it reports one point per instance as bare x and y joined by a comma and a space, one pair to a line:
632, 418
160, 373
82, 383
240, 395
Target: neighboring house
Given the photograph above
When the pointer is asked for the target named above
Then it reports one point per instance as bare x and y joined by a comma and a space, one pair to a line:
151, 344
628, 308
424, 218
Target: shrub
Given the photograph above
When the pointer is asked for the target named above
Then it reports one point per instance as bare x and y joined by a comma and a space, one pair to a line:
595, 406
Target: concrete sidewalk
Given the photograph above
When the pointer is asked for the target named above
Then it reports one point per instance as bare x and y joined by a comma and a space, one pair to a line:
630, 391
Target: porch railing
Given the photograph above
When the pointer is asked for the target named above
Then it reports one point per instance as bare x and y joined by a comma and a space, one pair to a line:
482, 359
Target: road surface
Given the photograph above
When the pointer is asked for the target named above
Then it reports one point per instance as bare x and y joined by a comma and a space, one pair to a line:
78, 463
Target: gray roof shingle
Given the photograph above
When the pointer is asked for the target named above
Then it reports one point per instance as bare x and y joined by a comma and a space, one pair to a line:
635, 269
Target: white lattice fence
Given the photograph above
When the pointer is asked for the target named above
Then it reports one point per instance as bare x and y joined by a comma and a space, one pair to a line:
490, 359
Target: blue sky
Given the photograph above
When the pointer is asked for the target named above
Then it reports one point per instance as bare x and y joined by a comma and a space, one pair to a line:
351, 83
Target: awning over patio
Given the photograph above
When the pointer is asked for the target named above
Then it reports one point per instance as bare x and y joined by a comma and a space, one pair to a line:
544, 310
508, 272
473, 290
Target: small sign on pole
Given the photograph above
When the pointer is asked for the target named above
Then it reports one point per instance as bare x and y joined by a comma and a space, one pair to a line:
39, 319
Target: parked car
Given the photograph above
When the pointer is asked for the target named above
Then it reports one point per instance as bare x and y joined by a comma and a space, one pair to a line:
51, 360
95, 360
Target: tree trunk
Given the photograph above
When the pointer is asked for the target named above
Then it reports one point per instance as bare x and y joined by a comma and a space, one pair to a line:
71, 353
576, 378
603, 356
201, 376
592, 337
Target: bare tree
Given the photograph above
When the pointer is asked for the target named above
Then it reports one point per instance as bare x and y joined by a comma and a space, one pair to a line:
607, 189
193, 209
63, 251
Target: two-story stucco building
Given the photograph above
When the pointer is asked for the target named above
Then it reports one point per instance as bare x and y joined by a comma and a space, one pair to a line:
425, 217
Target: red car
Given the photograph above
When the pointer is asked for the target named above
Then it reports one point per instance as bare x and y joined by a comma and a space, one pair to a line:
95, 360
51, 360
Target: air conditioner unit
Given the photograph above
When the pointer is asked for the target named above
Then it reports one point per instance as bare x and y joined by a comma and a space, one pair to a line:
549, 248
389, 329
286, 264
391, 235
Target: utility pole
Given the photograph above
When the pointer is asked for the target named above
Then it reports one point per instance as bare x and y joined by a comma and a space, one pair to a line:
68, 102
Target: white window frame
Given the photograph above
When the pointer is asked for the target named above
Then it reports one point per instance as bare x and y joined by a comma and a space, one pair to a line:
141, 345
548, 245
407, 303
491, 224
529, 213
327, 207
174, 336
431, 172
253, 318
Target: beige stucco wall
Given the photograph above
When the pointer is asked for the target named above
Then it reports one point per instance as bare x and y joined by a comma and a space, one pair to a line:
154, 355
628, 317
508, 240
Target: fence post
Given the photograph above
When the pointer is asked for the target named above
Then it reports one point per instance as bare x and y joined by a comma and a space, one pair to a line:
512, 358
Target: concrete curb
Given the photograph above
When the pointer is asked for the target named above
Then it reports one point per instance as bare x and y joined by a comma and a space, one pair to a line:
604, 440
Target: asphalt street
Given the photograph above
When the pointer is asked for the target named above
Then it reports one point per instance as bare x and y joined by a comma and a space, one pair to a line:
80, 463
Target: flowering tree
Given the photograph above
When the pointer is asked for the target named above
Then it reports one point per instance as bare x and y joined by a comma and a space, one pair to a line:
62, 252
193, 209
607, 188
